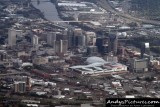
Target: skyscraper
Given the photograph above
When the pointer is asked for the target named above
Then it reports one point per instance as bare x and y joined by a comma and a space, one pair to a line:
145, 49
102, 44
90, 38
12, 37
19, 33
61, 46
28, 83
74, 37
113, 43
80, 40
19, 87
70, 35
51, 38
35, 40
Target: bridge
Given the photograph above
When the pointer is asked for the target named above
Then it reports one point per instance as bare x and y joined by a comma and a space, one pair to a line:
71, 21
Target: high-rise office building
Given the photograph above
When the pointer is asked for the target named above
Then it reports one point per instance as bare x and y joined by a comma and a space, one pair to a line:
12, 37
3, 55
80, 41
102, 45
28, 83
74, 37
19, 33
65, 32
113, 43
90, 38
70, 35
145, 49
35, 40
92, 50
51, 38
61, 46
20, 87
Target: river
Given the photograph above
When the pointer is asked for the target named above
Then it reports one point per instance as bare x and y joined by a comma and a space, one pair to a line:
47, 8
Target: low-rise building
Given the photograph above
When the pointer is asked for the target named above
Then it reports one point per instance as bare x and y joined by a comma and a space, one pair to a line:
139, 65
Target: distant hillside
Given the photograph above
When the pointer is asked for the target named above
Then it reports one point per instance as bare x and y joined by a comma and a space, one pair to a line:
147, 8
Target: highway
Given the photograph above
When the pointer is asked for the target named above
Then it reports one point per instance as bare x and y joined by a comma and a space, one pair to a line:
71, 21
107, 6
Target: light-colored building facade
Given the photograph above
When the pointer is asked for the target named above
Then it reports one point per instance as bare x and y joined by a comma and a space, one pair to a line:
12, 37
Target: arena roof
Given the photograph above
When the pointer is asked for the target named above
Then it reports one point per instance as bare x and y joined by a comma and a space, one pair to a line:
98, 65
95, 59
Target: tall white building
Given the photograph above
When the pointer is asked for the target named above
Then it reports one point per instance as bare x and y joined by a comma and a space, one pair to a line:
12, 37
51, 38
35, 40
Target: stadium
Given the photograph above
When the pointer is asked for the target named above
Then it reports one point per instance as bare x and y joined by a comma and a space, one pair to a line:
97, 65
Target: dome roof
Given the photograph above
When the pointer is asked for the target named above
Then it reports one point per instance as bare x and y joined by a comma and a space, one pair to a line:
27, 64
95, 59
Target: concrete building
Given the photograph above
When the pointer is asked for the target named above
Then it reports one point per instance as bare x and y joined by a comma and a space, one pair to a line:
75, 37
113, 43
20, 87
139, 65
90, 38
86, 105
22, 53
19, 33
28, 83
70, 38
80, 41
112, 58
40, 60
145, 49
12, 36
3, 55
102, 45
155, 62
51, 38
92, 50
61, 46
35, 40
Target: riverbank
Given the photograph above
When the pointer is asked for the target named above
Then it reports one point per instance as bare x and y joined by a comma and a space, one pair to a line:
48, 9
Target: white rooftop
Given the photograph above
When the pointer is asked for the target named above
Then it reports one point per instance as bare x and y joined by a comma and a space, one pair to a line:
95, 59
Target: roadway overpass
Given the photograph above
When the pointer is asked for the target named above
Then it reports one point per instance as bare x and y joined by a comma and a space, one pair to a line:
71, 21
